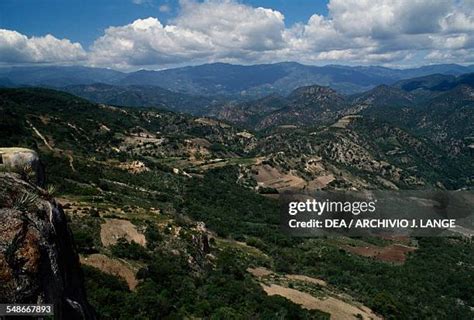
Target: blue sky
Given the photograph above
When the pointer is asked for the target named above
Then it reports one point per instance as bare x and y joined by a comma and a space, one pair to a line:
153, 34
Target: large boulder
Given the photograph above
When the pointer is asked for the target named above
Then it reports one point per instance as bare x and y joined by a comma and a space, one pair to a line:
23, 161
38, 261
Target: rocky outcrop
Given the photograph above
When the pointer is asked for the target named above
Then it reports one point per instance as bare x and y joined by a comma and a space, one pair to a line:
38, 261
23, 161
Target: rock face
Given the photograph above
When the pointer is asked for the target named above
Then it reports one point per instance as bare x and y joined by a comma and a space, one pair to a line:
38, 261
22, 160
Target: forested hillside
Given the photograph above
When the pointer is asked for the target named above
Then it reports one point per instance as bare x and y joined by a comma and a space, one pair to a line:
175, 216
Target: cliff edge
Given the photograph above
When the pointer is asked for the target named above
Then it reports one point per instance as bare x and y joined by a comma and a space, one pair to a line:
38, 261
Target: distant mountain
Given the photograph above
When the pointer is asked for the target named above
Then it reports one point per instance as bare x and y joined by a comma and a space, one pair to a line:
384, 95
452, 68
231, 80
56, 76
438, 107
141, 96
448, 119
282, 78
435, 82
257, 80
248, 112
6, 83
380, 97
310, 105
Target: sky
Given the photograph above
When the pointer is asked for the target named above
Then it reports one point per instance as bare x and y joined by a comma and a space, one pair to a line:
153, 34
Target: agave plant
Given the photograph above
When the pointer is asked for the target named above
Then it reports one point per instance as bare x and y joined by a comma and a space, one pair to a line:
51, 190
25, 201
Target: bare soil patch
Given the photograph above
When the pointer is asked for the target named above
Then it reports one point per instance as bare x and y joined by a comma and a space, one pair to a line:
259, 272
211, 122
395, 253
345, 121
321, 182
114, 229
337, 308
134, 167
303, 278
199, 142
270, 177
113, 267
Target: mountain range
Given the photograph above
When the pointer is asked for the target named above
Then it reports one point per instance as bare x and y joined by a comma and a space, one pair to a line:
227, 79
440, 106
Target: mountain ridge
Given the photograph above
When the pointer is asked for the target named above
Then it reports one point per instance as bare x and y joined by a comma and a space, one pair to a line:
228, 79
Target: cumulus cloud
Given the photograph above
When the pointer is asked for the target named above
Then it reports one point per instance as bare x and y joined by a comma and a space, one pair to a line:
355, 31
401, 32
385, 31
231, 25
208, 31
18, 48
386, 18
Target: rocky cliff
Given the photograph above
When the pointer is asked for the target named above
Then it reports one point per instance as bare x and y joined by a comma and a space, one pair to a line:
38, 261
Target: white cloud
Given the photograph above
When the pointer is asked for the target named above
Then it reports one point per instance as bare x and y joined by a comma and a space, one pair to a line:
386, 18
18, 48
208, 31
385, 31
231, 25
355, 31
